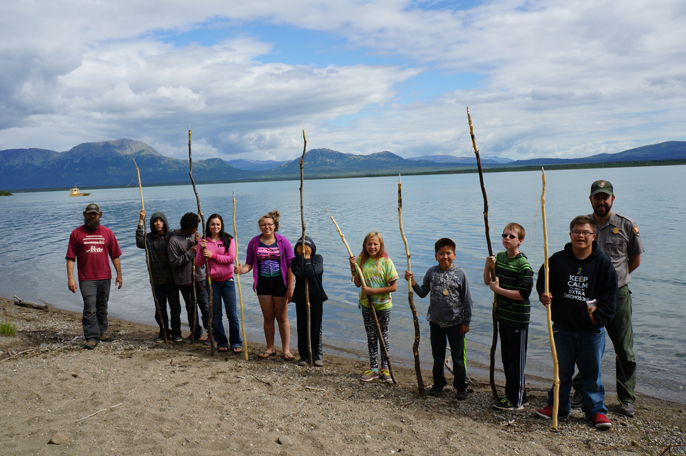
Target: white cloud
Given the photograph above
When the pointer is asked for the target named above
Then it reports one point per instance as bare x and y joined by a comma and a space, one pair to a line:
559, 78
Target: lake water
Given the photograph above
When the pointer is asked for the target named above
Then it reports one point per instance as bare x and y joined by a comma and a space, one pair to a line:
433, 207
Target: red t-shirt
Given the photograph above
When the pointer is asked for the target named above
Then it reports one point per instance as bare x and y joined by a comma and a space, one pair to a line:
90, 249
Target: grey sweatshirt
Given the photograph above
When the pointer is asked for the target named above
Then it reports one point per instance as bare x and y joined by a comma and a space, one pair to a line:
180, 256
447, 309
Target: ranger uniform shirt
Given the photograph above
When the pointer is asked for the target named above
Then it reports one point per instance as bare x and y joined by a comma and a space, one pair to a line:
619, 239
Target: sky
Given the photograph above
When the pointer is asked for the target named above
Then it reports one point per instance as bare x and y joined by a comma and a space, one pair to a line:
541, 78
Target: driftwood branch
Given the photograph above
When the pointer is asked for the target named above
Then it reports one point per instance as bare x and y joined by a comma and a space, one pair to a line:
207, 262
147, 258
302, 249
546, 282
369, 301
31, 305
410, 296
238, 280
494, 312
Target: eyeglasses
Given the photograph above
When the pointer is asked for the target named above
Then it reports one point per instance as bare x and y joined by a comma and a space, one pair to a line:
506, 236
582, 233
266, 225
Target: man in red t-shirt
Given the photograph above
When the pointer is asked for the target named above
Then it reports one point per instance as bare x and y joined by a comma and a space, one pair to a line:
92, 245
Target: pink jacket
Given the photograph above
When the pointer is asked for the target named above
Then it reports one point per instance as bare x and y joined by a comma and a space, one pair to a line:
221, 263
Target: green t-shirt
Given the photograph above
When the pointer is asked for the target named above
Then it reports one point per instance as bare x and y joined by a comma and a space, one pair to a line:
378, 273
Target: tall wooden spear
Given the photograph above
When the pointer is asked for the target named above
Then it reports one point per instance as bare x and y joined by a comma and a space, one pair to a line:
546, 282
238, 280
302, 248
494, 312
369, 301
147, 259
410, 296
207, 262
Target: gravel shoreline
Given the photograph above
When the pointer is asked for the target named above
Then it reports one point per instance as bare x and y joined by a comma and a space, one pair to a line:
179, 399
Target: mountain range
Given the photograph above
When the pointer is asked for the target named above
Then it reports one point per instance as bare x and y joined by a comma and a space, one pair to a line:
110, 164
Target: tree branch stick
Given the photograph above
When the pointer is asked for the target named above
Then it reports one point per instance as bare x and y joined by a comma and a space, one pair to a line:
369, 301
410, 296
238, 280
494, 312
546, 269
302, 248
147, 258
207, 262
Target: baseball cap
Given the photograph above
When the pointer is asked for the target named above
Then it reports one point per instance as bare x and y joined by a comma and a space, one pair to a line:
92, 207
601, 186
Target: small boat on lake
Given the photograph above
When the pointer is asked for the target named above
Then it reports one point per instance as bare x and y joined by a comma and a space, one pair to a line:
75, 192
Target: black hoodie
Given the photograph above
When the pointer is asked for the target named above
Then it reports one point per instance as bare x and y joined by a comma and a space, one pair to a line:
312, 268
573, 282
157, 250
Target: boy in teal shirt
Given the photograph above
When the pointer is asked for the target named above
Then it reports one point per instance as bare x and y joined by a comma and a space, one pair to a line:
450, 311
512, 287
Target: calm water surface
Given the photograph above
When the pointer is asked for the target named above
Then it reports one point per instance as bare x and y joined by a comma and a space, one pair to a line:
433, 207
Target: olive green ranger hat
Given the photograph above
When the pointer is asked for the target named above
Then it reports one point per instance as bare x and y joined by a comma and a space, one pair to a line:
601, 187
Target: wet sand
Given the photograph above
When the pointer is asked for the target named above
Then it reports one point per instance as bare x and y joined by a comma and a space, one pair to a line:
135, 396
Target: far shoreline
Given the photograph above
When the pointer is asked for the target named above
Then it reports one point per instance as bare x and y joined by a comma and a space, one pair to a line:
486, 169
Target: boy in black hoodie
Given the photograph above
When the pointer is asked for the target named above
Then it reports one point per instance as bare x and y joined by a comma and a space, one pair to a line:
582, 297
310, 266
157, 241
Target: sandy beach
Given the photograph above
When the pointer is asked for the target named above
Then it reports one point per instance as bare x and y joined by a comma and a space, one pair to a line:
135, 396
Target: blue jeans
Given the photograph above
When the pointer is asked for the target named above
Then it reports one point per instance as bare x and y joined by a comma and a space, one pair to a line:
585, 348
225, 291
95, 294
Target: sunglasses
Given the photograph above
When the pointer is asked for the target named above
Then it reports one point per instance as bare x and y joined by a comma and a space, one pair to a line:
506, 236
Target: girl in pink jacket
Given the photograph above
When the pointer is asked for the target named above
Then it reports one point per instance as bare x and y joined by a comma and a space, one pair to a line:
219, 252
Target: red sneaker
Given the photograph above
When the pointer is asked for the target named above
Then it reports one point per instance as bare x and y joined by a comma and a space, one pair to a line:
600, 421
546, 412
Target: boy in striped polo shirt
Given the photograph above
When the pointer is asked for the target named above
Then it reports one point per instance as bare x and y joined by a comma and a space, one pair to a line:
512, 287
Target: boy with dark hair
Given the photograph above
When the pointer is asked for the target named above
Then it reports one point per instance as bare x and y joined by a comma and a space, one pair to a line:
449, 314
583, 294
182, 248
512, 287
157, 241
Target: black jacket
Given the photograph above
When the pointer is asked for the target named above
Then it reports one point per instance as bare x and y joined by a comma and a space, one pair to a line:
157, 250
312, 268
573, 282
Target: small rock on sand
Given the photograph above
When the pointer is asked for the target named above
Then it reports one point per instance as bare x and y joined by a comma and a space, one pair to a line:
285, 440
58, 438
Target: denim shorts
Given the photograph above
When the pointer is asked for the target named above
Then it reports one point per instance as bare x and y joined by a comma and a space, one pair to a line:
274, 288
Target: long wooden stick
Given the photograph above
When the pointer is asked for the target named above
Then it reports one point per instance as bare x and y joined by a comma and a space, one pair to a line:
494, 312
410, 296
238, 280
307, 282
207, 262
369, 301
147, 259
546, 282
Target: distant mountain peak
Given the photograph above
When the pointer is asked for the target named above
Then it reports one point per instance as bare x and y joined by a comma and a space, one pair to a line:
121, 146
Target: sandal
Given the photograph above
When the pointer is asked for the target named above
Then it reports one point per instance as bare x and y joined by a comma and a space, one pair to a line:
288, 357
237, 350
265, 354
223, 349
